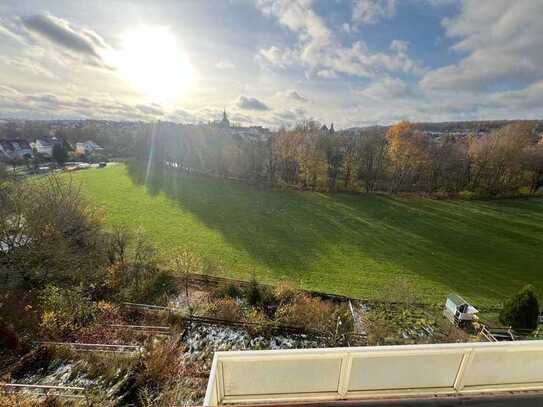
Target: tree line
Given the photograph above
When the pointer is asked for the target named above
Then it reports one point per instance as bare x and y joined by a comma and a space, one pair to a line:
399, 159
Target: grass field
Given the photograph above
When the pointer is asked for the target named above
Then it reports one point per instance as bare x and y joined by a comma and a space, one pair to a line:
353, 245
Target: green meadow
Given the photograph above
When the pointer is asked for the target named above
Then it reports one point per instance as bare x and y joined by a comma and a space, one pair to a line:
347, 244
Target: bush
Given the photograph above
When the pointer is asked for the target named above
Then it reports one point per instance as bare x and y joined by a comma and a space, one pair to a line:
225, 308
26, 400
466, 195
315, 315
186, 262
65, 310
260, 320
118, 241
257, 295
380, 331
155, 289
285, 292
117, 275
62, 234
229, 290
522, 310
253, 293
160, 362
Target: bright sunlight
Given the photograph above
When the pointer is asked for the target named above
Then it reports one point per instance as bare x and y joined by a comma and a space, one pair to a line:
151, 60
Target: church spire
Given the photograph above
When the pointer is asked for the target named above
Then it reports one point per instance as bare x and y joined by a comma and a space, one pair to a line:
224, 122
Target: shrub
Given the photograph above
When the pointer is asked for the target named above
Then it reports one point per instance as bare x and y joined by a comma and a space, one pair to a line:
107, 311
380, 331
257, 295
186, 262
267, 298
521, 311
253, 293
117, 275
285, 292
466, 195
25, 400
161, 364
62, 234
117, 244
456, 335
65, 310
261, 323
229, 290
155, 289
225, 308
313, 314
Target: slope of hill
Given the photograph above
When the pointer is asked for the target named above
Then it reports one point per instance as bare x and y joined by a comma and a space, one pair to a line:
347, 244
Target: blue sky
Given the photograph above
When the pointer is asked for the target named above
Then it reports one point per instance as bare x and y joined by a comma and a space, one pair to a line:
272, 62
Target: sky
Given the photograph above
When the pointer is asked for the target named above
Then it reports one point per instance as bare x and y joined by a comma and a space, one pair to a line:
272, 62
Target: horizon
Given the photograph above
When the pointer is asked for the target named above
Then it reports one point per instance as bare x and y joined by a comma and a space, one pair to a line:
256, 125
273, 63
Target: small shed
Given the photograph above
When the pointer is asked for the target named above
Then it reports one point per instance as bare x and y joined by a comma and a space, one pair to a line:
459, 311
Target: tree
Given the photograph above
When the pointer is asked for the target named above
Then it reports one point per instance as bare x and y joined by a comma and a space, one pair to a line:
370, 156
522, 310
448, 165
185, 263
496, 158
52, 235
409, 155
532, 162
60, 154
332, 147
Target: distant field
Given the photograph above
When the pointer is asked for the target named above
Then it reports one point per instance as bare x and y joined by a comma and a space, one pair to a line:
343, 244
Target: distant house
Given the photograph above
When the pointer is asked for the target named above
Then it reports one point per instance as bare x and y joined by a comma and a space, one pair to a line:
44, 145
15, 148
88, 147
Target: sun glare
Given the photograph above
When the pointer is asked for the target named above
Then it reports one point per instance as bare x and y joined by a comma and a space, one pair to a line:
151, 60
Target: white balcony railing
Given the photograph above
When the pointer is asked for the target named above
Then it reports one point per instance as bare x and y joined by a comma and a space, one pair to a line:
370, 372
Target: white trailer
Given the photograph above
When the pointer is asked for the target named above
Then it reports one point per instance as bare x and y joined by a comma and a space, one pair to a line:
459, 311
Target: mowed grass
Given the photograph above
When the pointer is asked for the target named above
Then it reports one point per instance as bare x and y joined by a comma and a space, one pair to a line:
346, 244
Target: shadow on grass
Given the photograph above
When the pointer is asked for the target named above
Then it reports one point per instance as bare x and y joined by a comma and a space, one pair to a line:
481, 249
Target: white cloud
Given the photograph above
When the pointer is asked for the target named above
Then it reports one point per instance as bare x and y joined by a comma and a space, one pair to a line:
346, 27
280, 57
318, 49
152, 109
327, 74
388, 88
292, 95
28, 66
48, 34
371, 11
249, 103
14, 103
297, 15
399, 46
503, 40
8, 91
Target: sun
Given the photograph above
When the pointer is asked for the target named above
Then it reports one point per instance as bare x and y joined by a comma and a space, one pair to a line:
151, 60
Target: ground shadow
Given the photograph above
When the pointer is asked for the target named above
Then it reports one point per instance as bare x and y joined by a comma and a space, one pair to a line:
342, 242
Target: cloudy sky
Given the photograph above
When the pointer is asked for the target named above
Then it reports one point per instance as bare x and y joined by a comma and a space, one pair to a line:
272, 62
